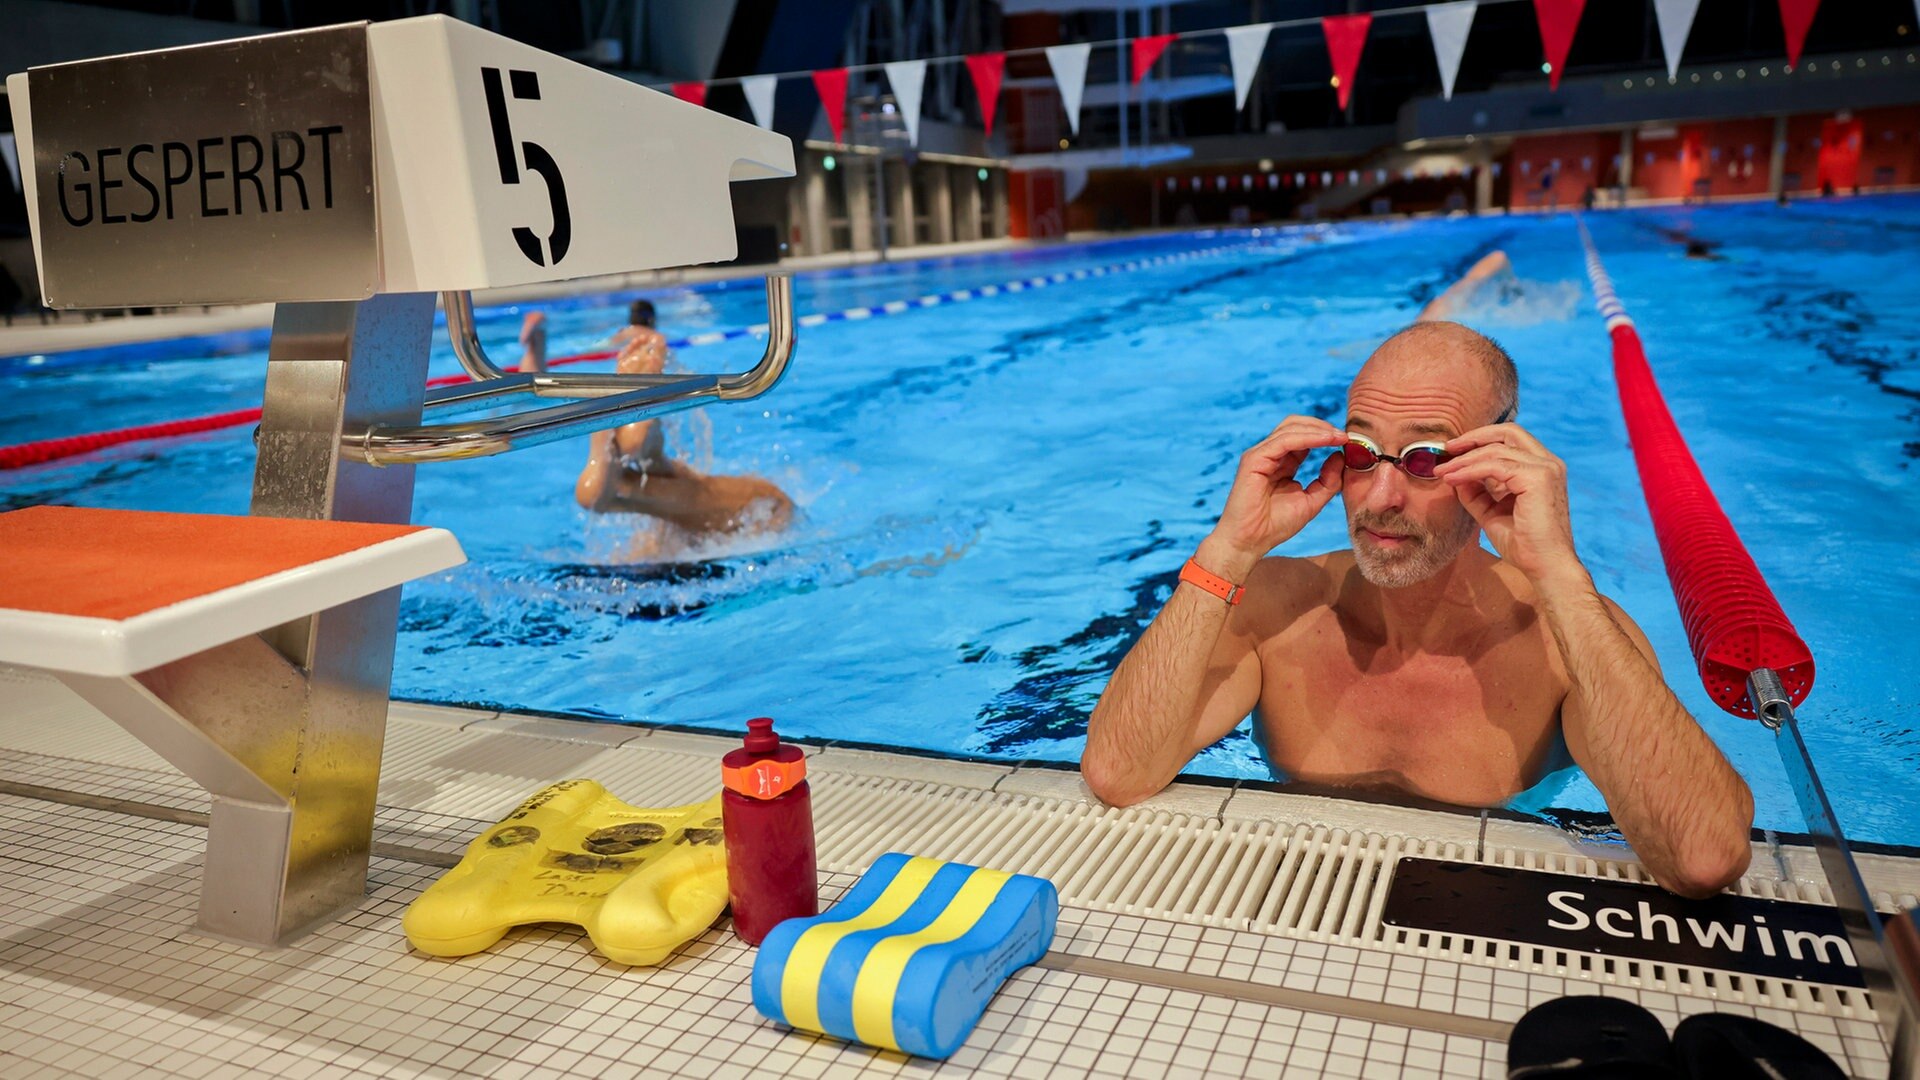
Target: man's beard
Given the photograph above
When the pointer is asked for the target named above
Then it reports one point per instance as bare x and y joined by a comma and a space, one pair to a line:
1420, 554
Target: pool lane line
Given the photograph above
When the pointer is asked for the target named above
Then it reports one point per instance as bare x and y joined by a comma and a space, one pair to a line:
982, 292
43, 451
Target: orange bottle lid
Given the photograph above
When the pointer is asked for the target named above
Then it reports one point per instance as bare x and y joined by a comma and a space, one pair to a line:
765, 778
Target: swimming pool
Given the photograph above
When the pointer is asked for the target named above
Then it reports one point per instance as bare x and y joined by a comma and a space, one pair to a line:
996, 494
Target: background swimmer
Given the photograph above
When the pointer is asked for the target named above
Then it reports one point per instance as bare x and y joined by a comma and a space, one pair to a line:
630, 471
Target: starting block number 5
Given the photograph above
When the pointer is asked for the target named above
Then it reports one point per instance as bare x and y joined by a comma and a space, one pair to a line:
526, 87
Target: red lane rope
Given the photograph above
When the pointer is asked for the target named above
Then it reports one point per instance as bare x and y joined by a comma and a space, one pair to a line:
41, 451
1734, 623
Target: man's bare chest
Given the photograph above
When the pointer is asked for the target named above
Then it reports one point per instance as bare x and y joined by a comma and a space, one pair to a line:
1469, 725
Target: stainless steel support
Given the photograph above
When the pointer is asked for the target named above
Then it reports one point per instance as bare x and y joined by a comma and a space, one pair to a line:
602, 401
284, 730
1893, 991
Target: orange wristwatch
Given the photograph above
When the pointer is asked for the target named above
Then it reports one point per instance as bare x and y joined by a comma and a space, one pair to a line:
1226, 590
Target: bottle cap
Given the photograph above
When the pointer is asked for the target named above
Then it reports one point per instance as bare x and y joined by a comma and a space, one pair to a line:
766, 777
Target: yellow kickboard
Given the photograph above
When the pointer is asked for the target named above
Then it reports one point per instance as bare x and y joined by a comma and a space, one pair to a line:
641, 882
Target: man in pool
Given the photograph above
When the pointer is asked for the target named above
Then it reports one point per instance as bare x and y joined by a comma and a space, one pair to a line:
1416, 661
629, 471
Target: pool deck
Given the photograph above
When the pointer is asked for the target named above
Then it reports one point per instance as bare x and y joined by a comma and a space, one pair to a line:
1278, 966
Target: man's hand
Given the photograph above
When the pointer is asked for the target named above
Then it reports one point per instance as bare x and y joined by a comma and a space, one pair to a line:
1517, 490
1267, 506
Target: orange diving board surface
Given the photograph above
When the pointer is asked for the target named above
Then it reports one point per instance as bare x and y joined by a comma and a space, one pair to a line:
115, 592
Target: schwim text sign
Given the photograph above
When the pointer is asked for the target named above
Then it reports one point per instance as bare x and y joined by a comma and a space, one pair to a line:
1775, 938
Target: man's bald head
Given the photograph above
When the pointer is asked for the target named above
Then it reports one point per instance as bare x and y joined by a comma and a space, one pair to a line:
1438, 346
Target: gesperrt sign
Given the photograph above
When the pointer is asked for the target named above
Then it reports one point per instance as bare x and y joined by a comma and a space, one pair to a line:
219, 173
1774, 938
417, 155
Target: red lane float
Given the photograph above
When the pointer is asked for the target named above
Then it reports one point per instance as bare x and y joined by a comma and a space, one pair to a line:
41, 451
1734, 624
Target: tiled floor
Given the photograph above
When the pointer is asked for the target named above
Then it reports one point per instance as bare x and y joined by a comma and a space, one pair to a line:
101, 975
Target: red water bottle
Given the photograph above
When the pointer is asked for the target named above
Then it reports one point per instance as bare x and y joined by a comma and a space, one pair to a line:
767, 811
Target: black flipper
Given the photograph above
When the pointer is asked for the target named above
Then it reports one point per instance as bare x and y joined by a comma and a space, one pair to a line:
1590, 1038
1723, 1045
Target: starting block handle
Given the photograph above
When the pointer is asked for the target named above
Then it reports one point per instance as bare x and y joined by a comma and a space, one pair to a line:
597, 401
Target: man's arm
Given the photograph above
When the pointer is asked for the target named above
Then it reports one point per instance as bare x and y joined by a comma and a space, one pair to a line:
1183, 685
1682, 806
1194, 673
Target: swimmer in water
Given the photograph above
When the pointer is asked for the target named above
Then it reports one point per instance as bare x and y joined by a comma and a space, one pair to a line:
1492, 270
1417, 660
629, 470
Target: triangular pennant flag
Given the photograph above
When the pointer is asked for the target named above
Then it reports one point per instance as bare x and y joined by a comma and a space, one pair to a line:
1449, 24
987, 70
1245, 45
1558, 20
1148, 49
695, 92
1676, 22
759, 90
1796, 16
907, 77
832, 85
1346, 36
1069, 64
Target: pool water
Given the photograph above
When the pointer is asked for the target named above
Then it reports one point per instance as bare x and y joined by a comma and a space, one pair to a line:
996, 495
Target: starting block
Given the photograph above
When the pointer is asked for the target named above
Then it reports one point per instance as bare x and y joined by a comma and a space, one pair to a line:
157, 620
910, 957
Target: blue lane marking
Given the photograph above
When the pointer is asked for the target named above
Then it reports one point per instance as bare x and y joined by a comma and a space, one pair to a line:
958, 296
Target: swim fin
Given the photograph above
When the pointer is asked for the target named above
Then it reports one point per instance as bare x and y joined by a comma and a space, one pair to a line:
1723, 1045
1591, 1038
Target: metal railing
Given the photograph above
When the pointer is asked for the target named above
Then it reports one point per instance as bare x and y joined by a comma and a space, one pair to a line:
594, 402
1892, 974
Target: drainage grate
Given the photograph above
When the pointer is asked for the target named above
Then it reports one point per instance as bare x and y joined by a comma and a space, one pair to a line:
1305, 881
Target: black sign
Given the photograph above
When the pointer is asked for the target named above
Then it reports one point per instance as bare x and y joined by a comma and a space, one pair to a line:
1775, 938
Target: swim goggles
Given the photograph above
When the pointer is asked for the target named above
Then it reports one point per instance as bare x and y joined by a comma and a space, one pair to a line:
1417, 460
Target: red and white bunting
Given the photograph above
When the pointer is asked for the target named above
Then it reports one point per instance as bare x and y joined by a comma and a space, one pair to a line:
693, 92
1558, 20
1069, 63
1245, 46
759, 90
987, 69
908, 77
1796, 16
1676, 22
1346, 37
1146, 50
1449, 24
832, 85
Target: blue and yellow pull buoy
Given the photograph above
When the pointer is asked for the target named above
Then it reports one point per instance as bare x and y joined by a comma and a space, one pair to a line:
910, 957
642, 882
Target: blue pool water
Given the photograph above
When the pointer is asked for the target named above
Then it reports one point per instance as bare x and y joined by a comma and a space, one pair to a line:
996, 495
